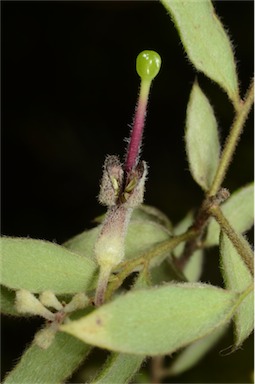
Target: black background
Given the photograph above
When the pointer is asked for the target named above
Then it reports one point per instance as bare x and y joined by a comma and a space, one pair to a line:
69, 90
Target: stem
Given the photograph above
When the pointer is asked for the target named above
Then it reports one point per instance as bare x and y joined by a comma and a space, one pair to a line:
129, 266
232, 140
199, 224
138, 125
241, 245
102, 285
157, 369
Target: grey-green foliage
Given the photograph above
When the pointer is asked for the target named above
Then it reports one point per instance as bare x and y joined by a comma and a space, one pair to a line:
52, 365
201, 137
206, 42
195, 352
193, 268
238, 209
121, 367
37, 266
147, 320
7, 302
193, 310
141, 236
238, 278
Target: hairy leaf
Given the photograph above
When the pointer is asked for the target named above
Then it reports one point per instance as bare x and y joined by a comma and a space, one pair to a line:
237, 278
121, 367
205, 41
37, 265
166, 272
201, 137
150, 213
195, 352
7, 303
157, 320
52, 365
239, 211
193, 268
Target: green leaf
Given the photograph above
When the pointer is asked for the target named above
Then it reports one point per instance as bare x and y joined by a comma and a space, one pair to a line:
193, 268
238, 210
83, 244
166, 272
157, 320
37, 266
52, 365
195, 352
150, 213
201, 137
141, 236
7, 303
180, 228
205, 41
120, 368
238, 278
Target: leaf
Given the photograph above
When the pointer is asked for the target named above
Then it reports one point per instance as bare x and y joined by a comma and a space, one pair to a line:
52, 365
141, 236
7, 303
238, 210
37, 266
205, 41
193, 268
195, 352
201, 137
180, 228
83, 244
157, 320
166, 272
120, 369
238, 278
150, 213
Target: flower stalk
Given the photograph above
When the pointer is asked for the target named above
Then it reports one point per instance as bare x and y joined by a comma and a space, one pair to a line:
138, 126
122, 186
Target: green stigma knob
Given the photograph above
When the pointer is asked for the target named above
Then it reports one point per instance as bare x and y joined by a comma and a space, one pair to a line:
148, 64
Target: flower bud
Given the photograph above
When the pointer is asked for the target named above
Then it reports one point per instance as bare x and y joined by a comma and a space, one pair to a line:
26, 302
45, 336
111, 182
79, 301
109, 247
134, 189
48, 299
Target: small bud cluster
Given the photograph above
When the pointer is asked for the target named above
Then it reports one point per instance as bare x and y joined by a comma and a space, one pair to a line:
27, 302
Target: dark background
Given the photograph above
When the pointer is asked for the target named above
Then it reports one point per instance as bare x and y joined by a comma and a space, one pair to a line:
69, 90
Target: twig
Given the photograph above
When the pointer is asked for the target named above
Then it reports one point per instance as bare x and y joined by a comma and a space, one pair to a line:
237, 239
232, 139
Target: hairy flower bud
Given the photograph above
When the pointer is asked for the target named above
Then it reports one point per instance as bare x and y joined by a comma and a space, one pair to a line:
26, 302
111, 181
133, 192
